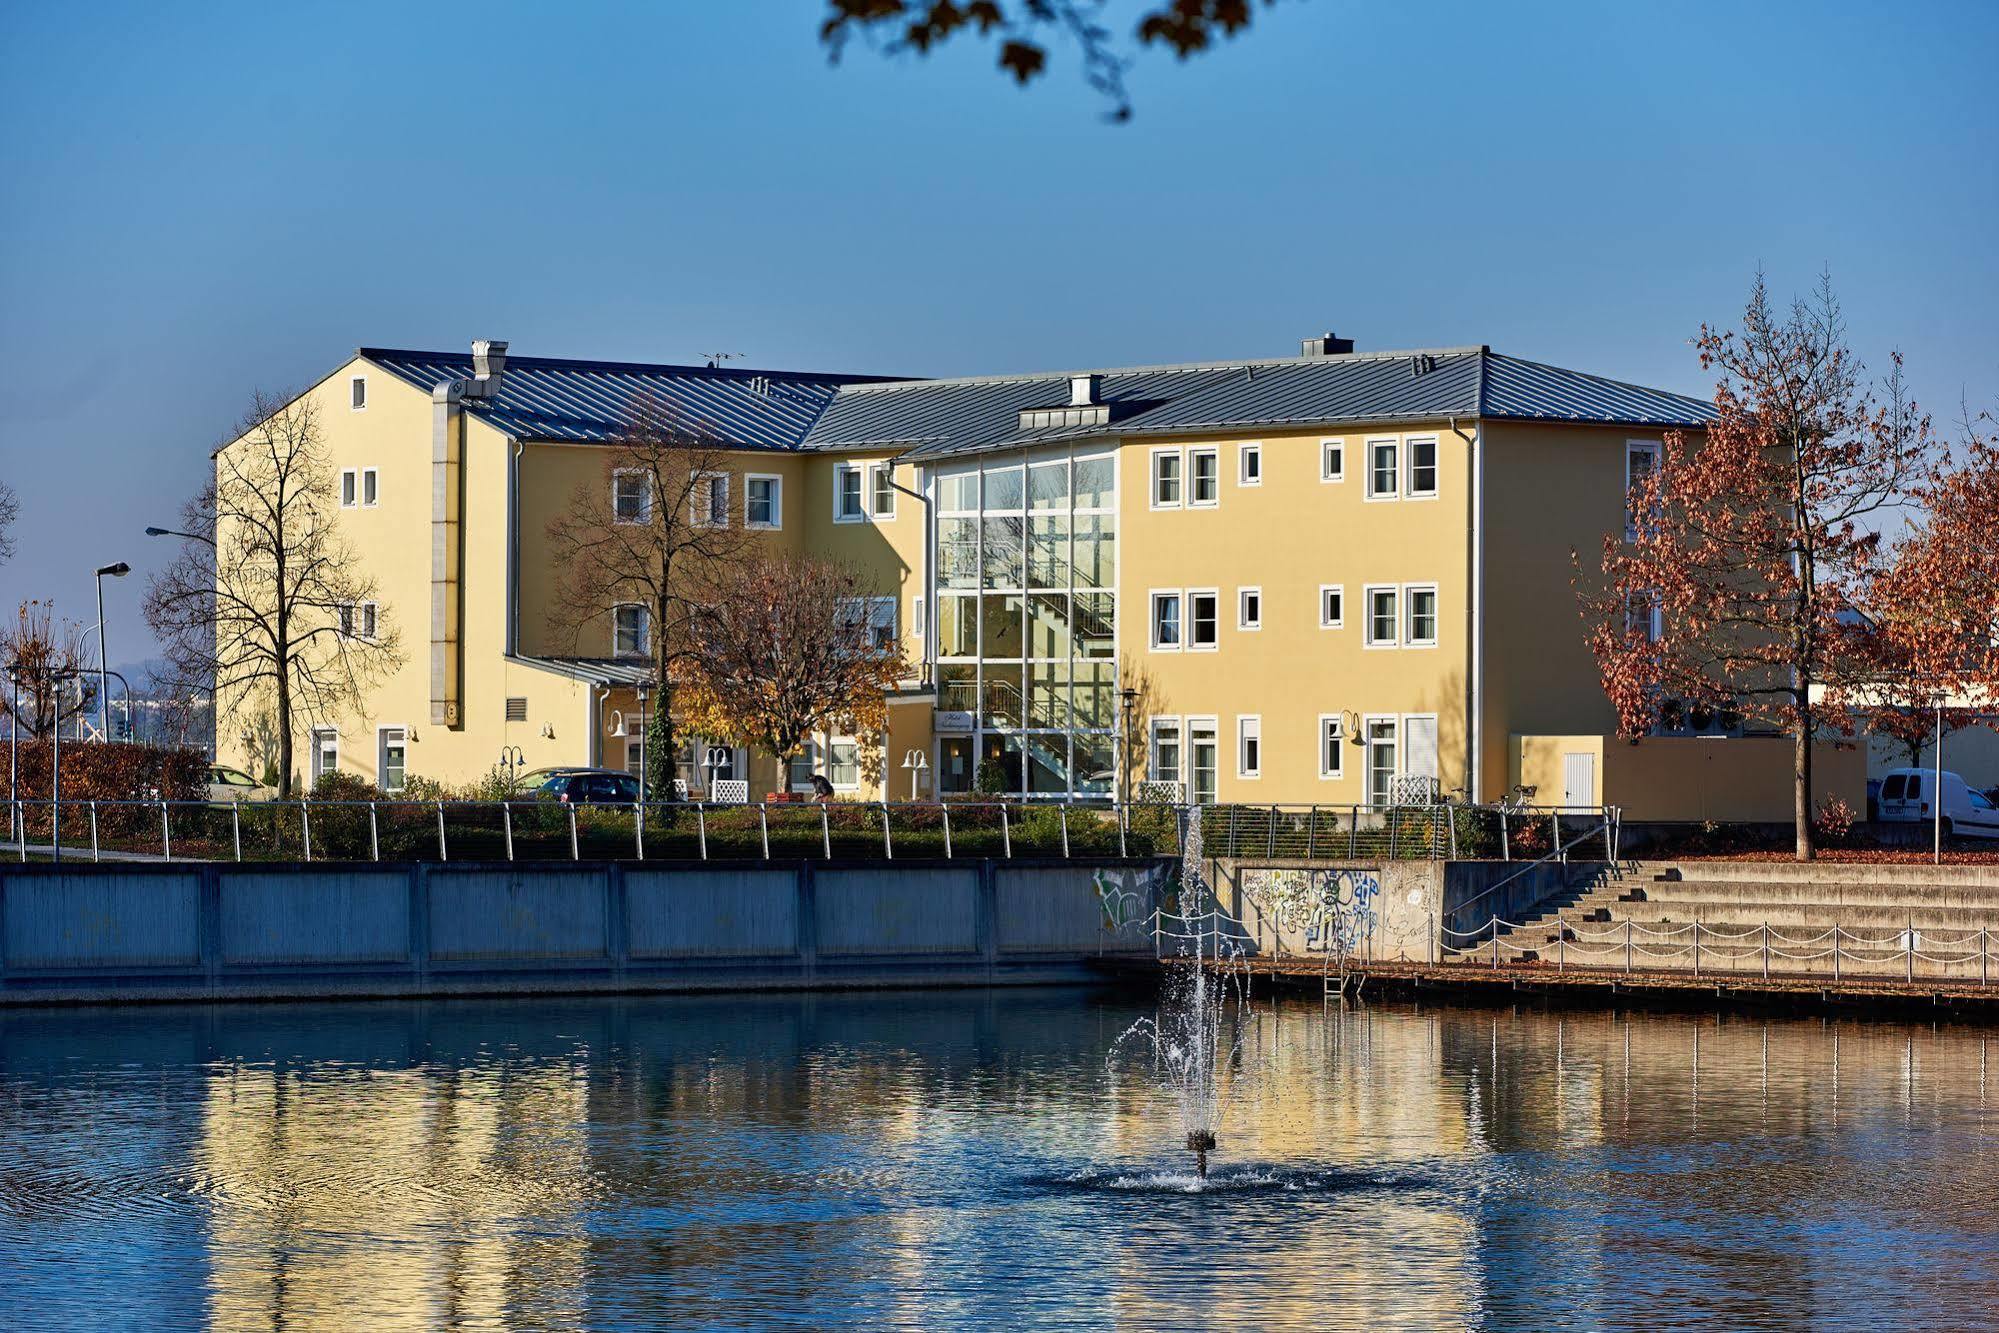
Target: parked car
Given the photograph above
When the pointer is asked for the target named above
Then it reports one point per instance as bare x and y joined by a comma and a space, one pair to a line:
226, 784
1907, 795
589, 786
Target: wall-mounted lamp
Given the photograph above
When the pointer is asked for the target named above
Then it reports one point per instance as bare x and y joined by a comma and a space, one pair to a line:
548, 731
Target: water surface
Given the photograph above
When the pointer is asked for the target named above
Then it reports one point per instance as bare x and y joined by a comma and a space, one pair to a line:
964, 1159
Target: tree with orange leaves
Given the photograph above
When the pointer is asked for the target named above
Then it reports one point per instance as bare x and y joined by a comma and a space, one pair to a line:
1750, 550
1938, 600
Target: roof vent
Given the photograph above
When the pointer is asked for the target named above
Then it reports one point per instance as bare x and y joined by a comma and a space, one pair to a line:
489, 363
1085, 390
1422, 363
1326, 345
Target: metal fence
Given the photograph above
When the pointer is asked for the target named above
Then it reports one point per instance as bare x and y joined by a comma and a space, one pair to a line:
1907, 953
540, 830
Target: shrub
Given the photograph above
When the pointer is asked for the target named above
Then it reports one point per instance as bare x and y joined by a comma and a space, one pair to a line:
993, 779
1833, 824
113, 771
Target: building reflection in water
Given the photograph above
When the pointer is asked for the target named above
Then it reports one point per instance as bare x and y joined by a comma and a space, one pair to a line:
960, 1158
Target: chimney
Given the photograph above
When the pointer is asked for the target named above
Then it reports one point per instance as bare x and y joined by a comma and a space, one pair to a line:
489, 364
1085, 390
1326, 345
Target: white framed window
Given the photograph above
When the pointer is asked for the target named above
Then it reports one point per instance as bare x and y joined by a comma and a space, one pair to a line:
710, 500
1381, 605
1249, 608
874, 616
392, 758
1204, 478
1166, 478
358, 620
357, 393
1419, 603
1249, 746
1379, 734
843, 762
1332, 606
763, 501
1163, 762
631, 496
1166, 627
1204, 616
1249, 465
1422, 467
918, 625
350, 487
1384, 469
1644, 614
1204, 760
1332, 743
631, 627
325, 753
847, 502
1332, 460
371, 489
1641, 460
881, 489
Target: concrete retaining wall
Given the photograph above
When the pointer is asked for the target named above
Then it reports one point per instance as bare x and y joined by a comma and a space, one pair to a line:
107, 932
1388, 911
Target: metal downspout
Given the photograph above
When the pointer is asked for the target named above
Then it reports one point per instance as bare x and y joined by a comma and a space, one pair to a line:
1474, 608
446, 477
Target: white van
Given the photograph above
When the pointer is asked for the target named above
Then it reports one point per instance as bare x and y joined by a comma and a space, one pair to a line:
1906, 794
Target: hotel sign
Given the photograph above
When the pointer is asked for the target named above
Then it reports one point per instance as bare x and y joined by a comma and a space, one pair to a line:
953, 722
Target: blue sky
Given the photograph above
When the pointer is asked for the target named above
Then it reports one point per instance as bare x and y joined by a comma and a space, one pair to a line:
198, 201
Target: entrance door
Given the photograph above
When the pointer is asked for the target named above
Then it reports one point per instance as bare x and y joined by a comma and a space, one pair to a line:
954, 763
1579, 779
1419, 759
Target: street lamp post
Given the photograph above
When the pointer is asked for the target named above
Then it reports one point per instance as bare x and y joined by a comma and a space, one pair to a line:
1129, 698
117, 571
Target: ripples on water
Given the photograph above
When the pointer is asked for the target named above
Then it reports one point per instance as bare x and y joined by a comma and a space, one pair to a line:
964, 1159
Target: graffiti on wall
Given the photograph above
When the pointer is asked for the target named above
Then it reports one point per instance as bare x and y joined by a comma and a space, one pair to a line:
1331, 910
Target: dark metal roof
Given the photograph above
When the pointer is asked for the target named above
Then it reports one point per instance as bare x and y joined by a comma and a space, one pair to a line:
594, 670
934, 418
545, 398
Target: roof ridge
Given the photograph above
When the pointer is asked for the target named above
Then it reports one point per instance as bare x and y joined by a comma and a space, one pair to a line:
1174, 367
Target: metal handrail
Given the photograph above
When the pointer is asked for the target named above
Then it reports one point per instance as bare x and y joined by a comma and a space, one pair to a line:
1611, 818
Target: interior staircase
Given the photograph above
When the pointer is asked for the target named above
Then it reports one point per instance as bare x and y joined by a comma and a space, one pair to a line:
1738, 916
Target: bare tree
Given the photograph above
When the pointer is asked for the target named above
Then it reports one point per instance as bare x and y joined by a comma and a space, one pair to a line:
265, 605
654, 533
790, 648
47, 660
10, 509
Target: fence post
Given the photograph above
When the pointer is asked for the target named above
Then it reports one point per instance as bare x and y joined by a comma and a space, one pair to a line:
443, 850
574, 854
1697, 948
506, 817
1122, 851
1910, 973
1235, 813
1452, 815
1353, 830
1431, 918
94, 855
1064, 812
888, 843
305, 828
1311, 831
1983, 971
763, 826
20, 828
166, 835
1505, 851
1494, 937
1561, 945
1555, 832
1627, 946
236, 825
825, 832
1006, 833
1394, 830
945, 810
701, 826
639, 827
1835, 951
1271, 843
1766, 950
374, 834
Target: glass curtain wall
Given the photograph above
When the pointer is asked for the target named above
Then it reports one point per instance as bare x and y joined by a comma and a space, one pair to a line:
1027, 620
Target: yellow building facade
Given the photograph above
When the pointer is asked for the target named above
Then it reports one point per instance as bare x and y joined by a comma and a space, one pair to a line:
1335, 578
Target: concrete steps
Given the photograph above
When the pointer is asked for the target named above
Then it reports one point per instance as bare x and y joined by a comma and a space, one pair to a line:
1760, 916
